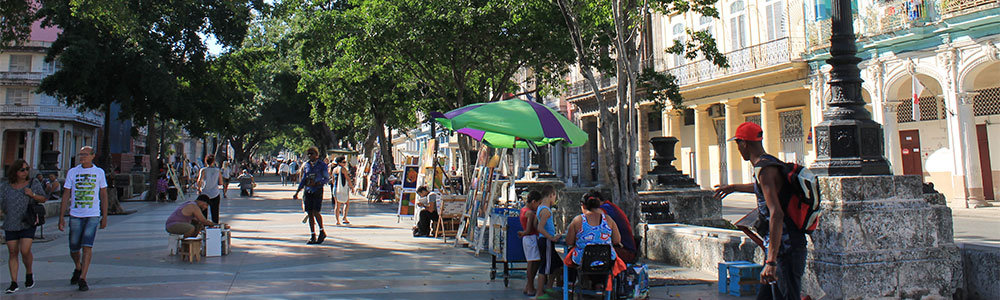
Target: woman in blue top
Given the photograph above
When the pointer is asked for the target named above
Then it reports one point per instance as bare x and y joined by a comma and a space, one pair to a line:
592, 227
547, 237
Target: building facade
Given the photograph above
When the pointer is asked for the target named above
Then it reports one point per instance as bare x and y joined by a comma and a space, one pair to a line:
36, 127
950, 49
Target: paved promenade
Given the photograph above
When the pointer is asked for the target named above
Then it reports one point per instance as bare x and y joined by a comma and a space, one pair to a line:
374, 258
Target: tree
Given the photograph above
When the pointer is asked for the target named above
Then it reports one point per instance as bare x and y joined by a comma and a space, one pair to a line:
144, 55
16, 17
620, 26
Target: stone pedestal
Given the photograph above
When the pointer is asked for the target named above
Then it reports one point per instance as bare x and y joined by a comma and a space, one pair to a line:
683, 205
879, 237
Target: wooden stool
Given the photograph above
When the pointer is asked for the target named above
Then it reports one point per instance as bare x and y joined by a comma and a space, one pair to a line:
191, 249
174, 243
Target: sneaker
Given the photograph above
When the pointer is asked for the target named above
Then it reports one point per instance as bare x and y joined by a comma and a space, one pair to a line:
75, 278
322, 237
83, 286
312, 240
12, 288
29, 281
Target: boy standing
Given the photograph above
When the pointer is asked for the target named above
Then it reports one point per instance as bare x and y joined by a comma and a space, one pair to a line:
89, 208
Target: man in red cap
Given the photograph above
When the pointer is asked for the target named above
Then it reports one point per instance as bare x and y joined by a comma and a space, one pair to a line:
785, 258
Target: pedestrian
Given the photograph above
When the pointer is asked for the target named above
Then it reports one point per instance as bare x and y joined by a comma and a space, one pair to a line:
227, 175
88, 208
342, 186
627, 249
293, 169
283, 169
209, 180
314, 176
593, 170
16, 194
529, 240
550, 260
428, 204
785, 257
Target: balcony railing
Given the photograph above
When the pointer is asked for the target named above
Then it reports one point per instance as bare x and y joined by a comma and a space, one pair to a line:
53, 112
958, 6
743, 60
8, 78
763, 55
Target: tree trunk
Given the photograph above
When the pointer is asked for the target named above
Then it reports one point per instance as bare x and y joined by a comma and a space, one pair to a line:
385, 147
154, 166
104, 149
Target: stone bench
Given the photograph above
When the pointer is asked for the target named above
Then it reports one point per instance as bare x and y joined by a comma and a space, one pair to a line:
697, 247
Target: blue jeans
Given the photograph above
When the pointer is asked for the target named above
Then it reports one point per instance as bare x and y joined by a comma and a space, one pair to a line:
82, 232
791, 267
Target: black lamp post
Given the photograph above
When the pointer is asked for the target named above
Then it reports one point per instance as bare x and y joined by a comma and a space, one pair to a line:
848, 141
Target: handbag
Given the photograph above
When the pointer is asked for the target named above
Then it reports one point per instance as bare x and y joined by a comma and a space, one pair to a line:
35, 214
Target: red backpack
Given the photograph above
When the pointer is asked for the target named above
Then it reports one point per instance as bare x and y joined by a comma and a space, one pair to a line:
803, 205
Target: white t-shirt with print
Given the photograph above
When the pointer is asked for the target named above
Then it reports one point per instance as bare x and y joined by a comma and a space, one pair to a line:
85, 185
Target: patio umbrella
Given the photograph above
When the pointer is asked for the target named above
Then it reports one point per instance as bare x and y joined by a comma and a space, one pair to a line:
513, 124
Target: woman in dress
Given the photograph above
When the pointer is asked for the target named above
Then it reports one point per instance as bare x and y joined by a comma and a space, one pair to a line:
342, 186
16, 194
227, 173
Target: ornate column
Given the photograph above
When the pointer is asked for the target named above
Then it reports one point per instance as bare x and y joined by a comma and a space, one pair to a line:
703, 135
734, 117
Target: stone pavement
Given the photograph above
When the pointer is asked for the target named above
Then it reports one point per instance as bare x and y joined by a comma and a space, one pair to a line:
374, 258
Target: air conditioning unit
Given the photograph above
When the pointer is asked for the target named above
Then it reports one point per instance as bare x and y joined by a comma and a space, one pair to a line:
716, 111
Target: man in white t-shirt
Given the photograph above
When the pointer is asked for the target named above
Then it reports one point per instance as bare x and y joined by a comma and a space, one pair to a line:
88, 209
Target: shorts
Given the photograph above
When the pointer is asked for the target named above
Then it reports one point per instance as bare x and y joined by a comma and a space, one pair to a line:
180, 228
549, 257
82, 232
312, 201
28, 233
530, 245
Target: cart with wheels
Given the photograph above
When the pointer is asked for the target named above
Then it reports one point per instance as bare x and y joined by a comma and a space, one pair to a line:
505, 244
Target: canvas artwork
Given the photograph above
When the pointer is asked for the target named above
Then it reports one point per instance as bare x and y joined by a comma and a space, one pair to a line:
410, 176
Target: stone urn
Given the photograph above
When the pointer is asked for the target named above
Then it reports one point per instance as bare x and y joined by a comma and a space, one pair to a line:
50, 160
665, 175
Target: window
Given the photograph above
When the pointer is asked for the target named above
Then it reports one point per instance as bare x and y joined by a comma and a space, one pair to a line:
705, 24
50, 67
17, 96
775, 11
655, 121
688, 116
20, 63
679, 36
738, 25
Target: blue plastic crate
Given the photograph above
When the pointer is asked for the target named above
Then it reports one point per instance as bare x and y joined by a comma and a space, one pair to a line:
724, 274
744, 279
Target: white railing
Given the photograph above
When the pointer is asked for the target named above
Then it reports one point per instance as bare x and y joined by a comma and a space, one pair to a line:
54, 112
22, 76
747, 59
958, 6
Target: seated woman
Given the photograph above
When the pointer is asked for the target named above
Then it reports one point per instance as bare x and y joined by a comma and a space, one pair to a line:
187, 218
592, 227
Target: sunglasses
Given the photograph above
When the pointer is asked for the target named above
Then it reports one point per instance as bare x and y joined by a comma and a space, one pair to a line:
24, 169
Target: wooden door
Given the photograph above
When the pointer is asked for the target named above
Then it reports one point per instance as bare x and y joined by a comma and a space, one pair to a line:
984, 161
909, 144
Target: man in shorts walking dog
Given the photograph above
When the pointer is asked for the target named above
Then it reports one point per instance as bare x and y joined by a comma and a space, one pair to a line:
88, 209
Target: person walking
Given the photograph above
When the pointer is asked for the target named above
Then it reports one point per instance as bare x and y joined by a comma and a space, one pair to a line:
88, 209
283, 170
342, 186
16, 194
227, 175
785, 245
314, 176
209, 180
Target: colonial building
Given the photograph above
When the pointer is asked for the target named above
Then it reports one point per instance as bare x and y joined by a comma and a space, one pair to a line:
36, 127
950, 49
766, 83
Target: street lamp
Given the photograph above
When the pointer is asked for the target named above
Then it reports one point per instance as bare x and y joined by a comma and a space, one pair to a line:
848, 141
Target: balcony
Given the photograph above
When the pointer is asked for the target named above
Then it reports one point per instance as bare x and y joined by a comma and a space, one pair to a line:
751, 58
21, 78
955, 7
51, 112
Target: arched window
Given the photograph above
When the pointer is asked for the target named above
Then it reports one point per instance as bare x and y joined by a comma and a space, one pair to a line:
738, 25
775, 12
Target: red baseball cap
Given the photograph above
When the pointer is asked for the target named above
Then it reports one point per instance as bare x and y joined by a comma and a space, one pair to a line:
748, 131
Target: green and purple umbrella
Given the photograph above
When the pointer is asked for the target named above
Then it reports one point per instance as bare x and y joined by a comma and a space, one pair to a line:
512, 124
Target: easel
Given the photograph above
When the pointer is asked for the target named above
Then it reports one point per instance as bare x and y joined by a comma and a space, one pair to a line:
177, 183
486, 191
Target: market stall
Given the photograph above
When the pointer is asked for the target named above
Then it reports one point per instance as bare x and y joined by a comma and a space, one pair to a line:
492, 203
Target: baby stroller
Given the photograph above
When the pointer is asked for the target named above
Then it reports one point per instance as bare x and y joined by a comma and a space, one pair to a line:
592, 275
